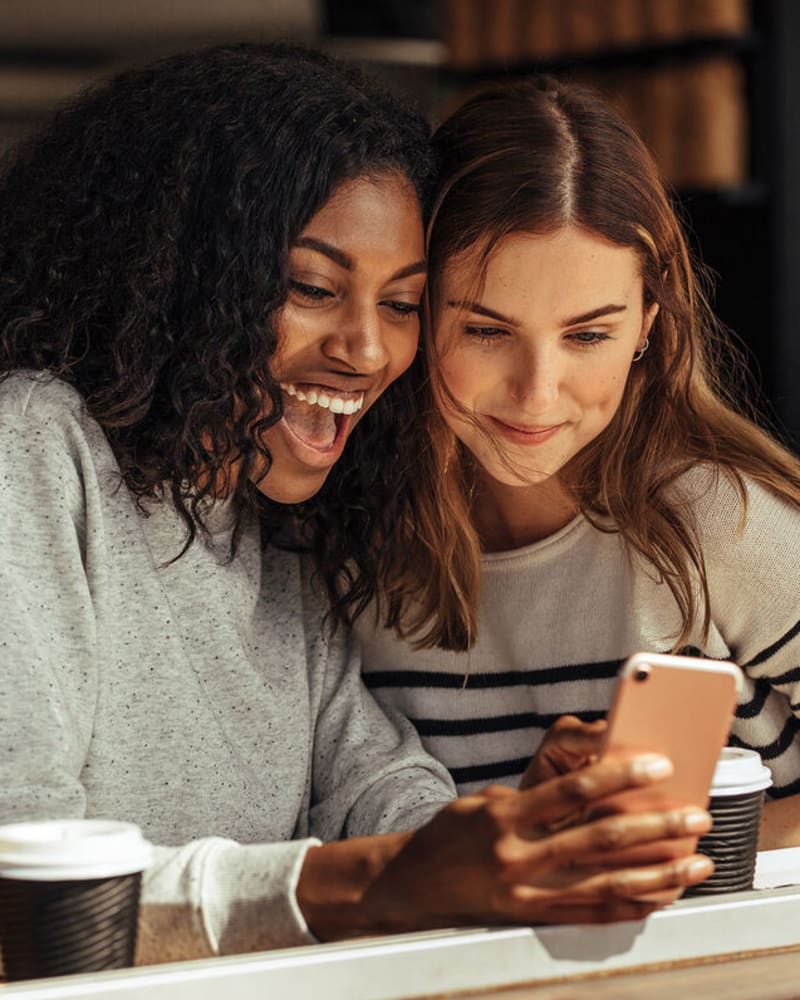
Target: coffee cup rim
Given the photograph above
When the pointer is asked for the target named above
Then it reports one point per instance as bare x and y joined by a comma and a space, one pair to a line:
72, 849
739, 771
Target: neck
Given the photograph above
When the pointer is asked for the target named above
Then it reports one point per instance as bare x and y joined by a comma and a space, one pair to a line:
510, 517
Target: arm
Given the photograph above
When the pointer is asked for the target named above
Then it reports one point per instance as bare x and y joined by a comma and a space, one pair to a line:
754, 574
49, 680
209, 895
370, 772
490, 859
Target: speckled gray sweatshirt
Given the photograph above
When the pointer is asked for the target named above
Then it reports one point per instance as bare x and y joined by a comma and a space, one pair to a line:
198, 698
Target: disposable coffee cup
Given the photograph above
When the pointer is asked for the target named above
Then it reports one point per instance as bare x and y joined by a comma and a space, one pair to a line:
736, 803
69, 896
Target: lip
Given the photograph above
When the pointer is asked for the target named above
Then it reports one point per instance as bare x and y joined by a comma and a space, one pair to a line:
530, 436
318, 458
341, 387
347, 388
314, 394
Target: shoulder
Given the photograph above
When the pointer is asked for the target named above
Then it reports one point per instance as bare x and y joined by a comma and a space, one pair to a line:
45, 414
39, 395
734, 514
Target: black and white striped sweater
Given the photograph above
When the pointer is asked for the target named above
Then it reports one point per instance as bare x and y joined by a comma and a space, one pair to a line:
558, 617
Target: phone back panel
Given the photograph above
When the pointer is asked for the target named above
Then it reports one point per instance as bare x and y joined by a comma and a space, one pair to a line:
683, 708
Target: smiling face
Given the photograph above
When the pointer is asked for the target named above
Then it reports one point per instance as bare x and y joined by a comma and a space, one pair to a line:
350, 326
539, 361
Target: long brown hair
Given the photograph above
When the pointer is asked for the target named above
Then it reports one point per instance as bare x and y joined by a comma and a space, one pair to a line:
532, 157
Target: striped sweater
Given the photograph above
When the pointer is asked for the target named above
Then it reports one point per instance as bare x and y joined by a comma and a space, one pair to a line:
558, 618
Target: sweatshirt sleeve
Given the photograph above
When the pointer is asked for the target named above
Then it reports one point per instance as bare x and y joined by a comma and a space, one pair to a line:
48, 677
216, 897
208, 896
371, 773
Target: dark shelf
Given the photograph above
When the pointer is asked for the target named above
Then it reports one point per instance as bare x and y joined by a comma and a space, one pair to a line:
662, 53
48, 57
753, 193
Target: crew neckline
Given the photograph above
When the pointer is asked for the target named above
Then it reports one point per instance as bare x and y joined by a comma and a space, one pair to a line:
544, 543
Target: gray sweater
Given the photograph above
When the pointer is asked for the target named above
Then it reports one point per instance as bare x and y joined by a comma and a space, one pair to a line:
198, 698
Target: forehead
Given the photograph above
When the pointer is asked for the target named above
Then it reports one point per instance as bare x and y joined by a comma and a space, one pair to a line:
560, 266
369, 209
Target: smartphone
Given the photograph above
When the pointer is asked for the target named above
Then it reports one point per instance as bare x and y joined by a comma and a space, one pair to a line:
679, 706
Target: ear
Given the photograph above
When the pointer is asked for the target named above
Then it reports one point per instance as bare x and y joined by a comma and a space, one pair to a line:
649, 318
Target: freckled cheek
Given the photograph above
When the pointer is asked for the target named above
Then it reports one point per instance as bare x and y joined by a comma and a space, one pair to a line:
462, 379
607, 395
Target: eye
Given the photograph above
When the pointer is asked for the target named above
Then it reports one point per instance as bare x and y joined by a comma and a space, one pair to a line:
312, 293
588, 338
402, 309
485, 334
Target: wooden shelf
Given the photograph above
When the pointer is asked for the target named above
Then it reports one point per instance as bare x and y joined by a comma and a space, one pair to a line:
667, 52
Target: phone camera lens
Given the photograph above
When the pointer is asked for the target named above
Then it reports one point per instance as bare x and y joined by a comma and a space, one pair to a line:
641, 674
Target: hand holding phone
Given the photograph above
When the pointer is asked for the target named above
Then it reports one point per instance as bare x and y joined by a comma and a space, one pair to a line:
678, 706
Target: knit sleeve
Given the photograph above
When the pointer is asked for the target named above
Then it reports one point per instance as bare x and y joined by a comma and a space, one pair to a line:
752, 559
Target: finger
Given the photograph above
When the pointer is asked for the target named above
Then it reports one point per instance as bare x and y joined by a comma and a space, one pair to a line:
569, 728
611, 842
568, 793
633, 883
498, 792
581, 742
565, 723
601, 839
606, 890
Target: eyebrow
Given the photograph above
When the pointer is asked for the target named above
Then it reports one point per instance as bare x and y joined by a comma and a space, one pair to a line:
476, 307
346, 261
594, 314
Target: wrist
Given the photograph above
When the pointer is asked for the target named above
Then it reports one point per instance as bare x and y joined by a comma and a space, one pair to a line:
334, 880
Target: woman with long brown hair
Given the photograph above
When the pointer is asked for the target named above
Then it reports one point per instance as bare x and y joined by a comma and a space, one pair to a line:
588, 482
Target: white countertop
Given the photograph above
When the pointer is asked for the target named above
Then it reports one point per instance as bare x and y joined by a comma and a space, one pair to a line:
420, 965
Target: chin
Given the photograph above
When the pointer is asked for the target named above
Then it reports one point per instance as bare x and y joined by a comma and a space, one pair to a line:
291, 492
518, 475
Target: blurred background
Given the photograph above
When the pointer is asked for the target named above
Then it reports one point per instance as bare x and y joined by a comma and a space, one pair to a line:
712, 85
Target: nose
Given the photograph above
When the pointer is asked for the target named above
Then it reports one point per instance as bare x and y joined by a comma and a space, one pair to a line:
360, 341
534, 384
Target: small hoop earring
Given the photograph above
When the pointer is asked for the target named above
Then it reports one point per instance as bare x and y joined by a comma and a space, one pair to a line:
638, 355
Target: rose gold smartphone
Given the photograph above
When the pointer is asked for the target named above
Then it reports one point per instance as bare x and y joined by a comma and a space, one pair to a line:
679, 706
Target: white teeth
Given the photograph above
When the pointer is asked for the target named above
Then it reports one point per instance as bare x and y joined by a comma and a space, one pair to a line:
336, 404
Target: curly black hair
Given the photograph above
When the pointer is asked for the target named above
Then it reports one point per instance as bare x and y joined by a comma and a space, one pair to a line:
144, 242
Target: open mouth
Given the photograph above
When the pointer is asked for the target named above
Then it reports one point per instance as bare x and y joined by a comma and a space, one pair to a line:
316, 413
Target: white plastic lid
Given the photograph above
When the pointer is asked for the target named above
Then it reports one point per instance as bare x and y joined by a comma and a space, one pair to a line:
739, 771
72, 849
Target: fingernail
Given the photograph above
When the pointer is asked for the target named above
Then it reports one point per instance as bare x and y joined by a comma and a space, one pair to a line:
699, 867
696, 821
652, 765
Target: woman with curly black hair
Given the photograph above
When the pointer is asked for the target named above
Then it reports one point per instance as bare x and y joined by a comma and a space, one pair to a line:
210, 276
